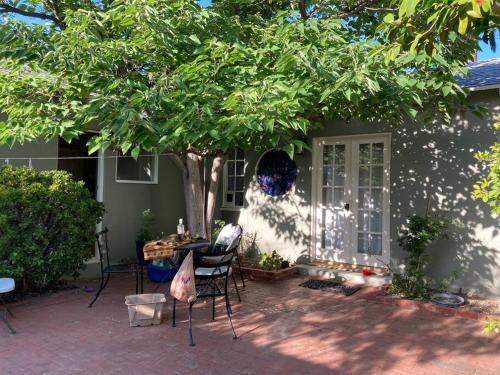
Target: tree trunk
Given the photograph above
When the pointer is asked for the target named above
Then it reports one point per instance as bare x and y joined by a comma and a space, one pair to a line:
196, 207
181, 164
199, 222
215, 173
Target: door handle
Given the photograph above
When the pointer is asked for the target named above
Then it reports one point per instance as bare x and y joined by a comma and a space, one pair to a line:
346, 206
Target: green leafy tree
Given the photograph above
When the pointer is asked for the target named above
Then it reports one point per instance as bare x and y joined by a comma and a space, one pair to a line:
174, 77
488, 189
415, 240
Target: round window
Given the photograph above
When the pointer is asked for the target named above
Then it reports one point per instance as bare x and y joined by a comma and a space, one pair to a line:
276, 173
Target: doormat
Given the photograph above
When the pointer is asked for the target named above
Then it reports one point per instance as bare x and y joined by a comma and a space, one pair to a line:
331, 286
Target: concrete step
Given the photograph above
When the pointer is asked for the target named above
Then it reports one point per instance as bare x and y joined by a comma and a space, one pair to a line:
341, 275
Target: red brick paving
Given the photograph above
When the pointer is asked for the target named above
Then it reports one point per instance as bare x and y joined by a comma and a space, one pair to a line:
283, 329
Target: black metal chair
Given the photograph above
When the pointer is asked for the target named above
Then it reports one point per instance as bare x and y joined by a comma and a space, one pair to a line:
108, 269
230, 236
211, 281
224, 239
7, 285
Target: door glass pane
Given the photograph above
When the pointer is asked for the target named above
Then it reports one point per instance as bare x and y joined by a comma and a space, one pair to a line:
364, 176
338, 239
240, 183
230, 183
363, 243
238, 198
375, 221
339, 176
338, 197
364, 153
376, 244
378, 153
376, 199
240, 167
327, 195
370, 198
327, 175
363, 223
333, 199
364, 198
328, 155
338, 219
230, 168
339, 154
377, 176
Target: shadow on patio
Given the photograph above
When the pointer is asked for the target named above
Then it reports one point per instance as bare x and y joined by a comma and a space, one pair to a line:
283, 328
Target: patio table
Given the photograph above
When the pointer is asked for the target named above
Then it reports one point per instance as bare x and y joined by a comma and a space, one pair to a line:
195, 245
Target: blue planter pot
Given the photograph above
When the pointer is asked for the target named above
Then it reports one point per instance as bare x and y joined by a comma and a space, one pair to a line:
159, 274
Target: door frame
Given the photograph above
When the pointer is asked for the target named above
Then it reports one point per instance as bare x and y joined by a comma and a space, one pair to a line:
317, 152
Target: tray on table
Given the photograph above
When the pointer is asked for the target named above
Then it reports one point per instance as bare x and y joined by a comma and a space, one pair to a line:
163, 249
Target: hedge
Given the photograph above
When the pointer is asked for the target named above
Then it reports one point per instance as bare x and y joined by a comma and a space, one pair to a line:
47, 226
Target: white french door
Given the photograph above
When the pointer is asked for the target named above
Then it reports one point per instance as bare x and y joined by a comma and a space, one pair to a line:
351, 199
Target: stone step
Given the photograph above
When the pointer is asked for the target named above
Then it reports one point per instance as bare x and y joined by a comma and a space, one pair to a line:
341, 275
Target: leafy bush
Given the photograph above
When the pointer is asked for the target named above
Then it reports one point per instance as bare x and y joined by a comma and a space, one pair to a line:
270, 262
491, 325
47, 226
217, 228
488, 189
146, 232
415, 239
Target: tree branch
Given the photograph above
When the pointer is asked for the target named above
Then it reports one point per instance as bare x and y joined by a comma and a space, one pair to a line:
56, 11
303, 9
5, 8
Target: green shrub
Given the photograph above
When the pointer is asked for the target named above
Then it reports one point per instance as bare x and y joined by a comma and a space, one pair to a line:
491, 325
270, 262
217, 228
414, 240
47, 226
146, 232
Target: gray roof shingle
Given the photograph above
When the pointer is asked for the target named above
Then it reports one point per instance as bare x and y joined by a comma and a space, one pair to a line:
482, 73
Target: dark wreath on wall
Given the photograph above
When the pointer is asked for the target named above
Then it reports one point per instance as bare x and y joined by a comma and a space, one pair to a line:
276, 173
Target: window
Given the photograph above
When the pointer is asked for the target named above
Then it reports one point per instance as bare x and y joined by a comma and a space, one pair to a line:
234, 180
144, 170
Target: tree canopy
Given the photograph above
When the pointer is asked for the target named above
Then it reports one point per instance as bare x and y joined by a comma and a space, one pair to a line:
162, 75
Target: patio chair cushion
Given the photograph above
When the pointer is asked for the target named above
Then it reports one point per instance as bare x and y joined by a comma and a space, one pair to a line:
228, 235
212, 259
211, 271
7, 285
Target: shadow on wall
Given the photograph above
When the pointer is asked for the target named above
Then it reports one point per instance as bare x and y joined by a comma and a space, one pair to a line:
434, 168
278, 223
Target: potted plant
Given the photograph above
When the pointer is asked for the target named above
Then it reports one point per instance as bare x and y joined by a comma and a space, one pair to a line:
145, 234
267, 266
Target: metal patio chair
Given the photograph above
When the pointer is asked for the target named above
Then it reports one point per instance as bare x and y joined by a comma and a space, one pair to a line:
6, 285
211, 281
108, 269
229, 236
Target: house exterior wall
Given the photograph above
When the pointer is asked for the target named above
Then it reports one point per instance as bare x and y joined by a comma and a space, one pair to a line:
39, 149
435, 159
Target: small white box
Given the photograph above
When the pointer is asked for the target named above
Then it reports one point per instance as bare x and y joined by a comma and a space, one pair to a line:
145, 309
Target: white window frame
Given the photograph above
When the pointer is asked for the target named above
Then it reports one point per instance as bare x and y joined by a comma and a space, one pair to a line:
152, 182
231, 206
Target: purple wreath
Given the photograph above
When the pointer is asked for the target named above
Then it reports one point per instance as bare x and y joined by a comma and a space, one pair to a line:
276, 173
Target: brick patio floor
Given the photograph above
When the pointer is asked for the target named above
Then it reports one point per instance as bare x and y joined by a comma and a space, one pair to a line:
282, 328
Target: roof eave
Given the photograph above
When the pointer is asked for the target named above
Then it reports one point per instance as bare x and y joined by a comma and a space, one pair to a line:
483, 87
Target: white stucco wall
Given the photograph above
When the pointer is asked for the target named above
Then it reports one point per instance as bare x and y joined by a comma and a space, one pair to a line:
435, 159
